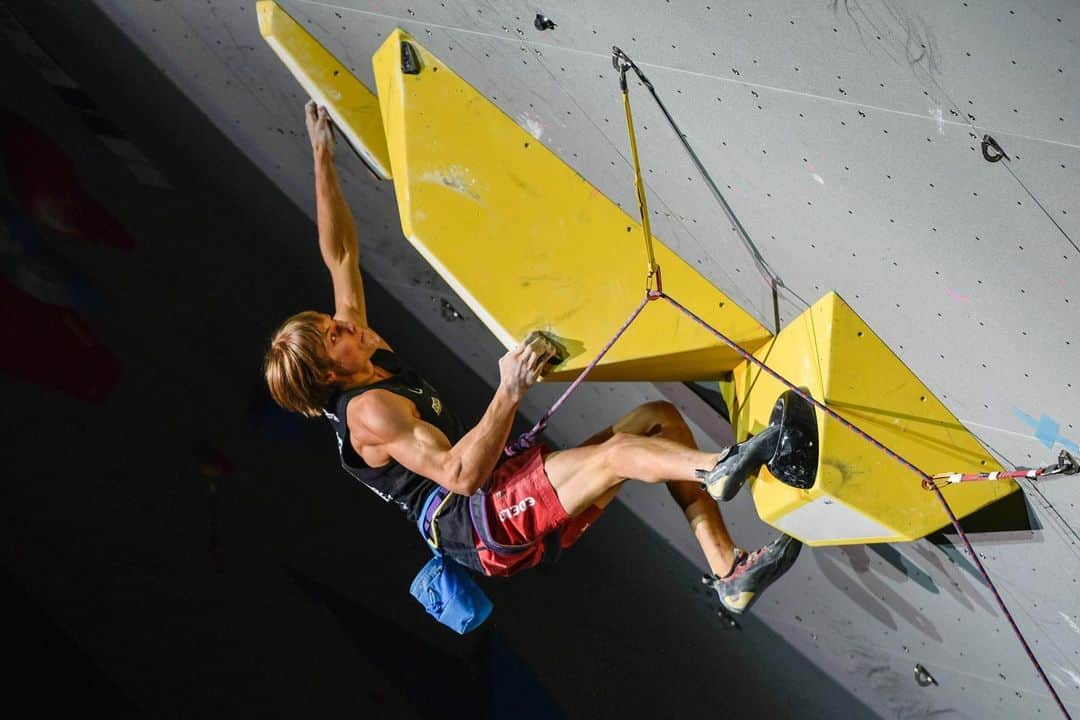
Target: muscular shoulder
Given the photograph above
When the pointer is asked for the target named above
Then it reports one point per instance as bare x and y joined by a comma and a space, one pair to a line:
378, 416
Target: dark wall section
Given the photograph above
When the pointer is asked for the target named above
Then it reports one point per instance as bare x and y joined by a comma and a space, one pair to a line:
175, 546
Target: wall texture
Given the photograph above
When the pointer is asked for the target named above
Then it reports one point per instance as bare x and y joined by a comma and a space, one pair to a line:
846, 137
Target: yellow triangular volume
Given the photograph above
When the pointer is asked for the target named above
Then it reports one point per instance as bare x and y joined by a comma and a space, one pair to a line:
354, 108
860, 494
527, 243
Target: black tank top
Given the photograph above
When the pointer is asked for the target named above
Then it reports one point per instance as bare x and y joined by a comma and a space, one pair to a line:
395, 483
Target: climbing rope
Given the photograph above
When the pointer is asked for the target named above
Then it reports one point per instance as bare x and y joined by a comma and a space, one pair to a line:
622, 62
528, 439
1066, 463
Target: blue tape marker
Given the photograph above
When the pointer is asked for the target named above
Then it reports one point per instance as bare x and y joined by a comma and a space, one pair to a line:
1047, 431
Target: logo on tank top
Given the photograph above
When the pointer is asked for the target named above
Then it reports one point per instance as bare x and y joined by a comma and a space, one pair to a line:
385, 496
436, 405
515, 510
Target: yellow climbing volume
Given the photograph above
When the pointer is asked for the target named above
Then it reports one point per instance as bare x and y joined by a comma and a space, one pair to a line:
860, 495
528, 243
354, 108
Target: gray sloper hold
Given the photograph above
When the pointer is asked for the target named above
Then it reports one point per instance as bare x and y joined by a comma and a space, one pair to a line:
922, 677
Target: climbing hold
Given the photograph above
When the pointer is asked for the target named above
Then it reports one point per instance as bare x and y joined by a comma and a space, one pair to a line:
542, 22
989, 142
795, 460
410, 63
922, 677
560, 353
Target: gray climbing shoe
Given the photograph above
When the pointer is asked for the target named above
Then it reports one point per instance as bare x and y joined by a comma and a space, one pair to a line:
753, 572
738, 463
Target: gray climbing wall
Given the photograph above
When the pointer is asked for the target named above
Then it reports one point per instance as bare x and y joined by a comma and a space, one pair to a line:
846, 136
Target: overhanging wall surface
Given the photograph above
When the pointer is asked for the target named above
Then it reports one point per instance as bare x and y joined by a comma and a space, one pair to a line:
840, 134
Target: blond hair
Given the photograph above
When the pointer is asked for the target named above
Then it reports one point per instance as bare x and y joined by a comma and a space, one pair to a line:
297, 365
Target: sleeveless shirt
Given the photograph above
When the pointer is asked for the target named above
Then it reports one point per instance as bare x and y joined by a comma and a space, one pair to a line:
395, 483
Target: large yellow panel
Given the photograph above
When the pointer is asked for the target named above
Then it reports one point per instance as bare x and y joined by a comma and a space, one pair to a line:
528, 244
353, 107
831, 352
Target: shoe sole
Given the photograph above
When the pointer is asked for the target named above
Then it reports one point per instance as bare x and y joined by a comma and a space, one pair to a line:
738, 604
720, 491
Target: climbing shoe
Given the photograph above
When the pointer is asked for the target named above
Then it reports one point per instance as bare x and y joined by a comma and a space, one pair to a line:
739, 462
753, 572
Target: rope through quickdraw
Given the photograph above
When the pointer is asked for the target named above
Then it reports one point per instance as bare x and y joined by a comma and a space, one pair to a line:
1066, 463
622, 63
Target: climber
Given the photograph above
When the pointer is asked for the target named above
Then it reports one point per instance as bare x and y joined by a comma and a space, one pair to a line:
495, 516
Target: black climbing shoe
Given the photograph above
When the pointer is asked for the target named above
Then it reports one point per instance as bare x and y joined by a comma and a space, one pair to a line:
738, 463
753, 573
